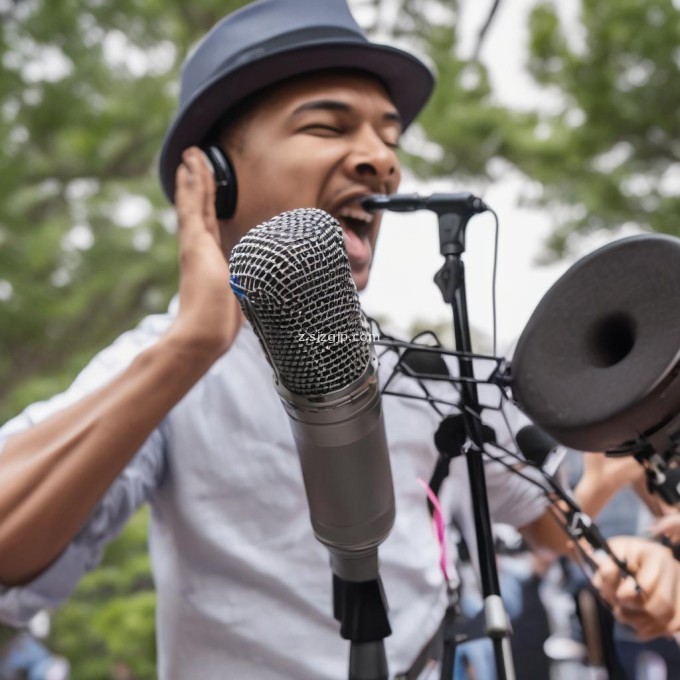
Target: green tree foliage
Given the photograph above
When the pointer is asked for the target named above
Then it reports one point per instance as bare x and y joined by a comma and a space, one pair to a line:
613, 152
107, 628
606, 151
468, 127
86, 238
87, 243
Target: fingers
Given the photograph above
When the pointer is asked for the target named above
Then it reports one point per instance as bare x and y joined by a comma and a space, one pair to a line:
648, 617
668, 526
649, 602
654, 597
195, 194
209, 195
608, 578
209, 314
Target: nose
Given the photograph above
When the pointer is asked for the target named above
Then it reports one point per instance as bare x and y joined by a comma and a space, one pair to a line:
374, 161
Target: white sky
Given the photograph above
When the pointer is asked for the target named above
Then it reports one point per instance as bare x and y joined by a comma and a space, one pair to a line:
407, 256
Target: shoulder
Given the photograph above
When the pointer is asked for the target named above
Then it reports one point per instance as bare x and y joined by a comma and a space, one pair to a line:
120, 353
102, 368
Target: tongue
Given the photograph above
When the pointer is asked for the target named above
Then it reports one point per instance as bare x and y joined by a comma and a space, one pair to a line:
358, 248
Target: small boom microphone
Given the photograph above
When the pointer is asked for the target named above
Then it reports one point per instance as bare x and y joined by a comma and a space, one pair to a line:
535, 444
462, 203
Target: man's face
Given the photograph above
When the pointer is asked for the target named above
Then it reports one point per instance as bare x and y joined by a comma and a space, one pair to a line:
322, 141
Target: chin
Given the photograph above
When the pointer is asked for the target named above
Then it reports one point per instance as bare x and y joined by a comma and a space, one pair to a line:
360, 279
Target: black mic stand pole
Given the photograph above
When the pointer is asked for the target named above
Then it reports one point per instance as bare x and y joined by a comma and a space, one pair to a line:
451, 281
361, 610
454, 211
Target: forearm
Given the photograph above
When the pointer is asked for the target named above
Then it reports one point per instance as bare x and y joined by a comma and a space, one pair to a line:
592, 498
546, 533
55, 473
603, 477
653, 502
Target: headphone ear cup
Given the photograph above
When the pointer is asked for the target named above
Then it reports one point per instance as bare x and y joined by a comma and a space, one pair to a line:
225, 182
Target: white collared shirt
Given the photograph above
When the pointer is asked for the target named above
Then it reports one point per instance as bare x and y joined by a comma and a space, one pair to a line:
244, 588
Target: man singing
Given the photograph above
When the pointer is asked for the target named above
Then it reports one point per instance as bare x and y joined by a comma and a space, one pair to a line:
181, 412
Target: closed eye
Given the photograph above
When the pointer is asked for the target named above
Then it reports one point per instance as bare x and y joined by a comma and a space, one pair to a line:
318, 127
329, 130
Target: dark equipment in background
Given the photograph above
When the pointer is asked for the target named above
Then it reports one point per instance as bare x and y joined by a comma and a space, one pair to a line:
602, 315
598, 364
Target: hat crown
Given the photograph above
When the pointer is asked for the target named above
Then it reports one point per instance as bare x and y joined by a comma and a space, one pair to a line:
268, 41
242, 34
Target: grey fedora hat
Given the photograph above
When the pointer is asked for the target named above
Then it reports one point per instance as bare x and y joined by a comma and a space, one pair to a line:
268, 41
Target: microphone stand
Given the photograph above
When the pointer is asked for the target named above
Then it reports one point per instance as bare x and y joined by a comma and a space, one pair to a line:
450, 280
361, 609
454, 211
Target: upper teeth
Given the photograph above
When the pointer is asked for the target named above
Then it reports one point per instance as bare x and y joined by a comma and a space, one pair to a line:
357, 214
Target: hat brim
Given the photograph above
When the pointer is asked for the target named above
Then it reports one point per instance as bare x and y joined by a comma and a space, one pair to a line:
408, 82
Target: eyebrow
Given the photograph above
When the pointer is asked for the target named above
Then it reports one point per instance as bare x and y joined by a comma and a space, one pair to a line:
335, 105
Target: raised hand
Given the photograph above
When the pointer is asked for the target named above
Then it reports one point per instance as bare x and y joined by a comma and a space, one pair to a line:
209, 316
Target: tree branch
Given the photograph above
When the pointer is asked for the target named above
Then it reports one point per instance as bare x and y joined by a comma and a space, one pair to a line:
485, 29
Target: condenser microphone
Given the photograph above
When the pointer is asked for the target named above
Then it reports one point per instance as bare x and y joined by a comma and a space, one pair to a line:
294, 282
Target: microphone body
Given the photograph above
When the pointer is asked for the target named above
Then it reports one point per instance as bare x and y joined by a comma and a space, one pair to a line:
340, 439
293, 280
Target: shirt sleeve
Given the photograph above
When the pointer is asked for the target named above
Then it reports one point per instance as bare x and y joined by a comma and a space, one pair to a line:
515, 497
134, 486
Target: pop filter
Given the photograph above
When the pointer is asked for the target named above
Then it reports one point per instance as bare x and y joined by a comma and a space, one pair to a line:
597, 365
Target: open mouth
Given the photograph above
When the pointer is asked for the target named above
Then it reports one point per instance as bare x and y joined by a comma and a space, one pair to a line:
356, 226
356, 218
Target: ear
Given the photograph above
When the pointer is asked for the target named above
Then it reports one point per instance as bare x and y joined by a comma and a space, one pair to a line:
225, 182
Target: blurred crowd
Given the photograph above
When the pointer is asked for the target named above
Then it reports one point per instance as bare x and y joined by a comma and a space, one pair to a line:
561, 628
24, 655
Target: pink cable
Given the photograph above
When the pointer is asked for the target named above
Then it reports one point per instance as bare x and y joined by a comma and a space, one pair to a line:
439, 527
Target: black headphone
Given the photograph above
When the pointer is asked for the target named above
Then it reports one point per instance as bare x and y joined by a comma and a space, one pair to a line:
225, 182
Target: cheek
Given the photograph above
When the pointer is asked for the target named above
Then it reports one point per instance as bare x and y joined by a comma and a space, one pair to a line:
278, 182
361, 281
395, 181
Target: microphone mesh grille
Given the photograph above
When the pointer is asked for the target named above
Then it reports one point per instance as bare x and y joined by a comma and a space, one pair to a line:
293, 280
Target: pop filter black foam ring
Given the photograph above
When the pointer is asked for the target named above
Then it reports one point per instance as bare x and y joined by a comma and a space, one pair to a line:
597, 365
